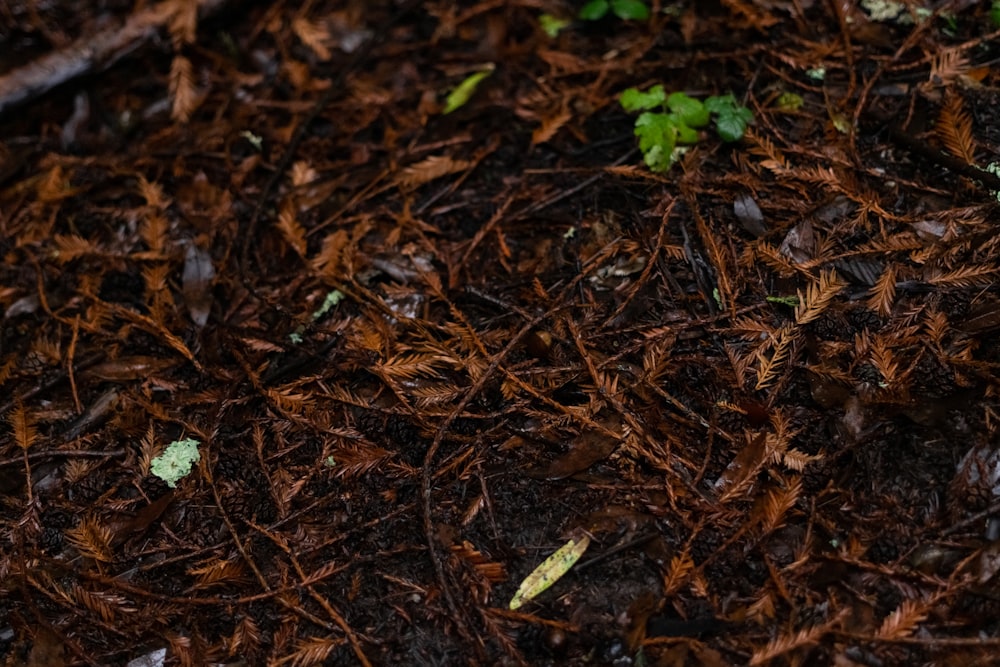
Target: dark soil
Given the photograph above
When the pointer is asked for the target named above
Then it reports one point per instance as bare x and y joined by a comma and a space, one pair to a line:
419, 352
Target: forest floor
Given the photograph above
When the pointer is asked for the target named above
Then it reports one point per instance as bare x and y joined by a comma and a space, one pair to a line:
413, 353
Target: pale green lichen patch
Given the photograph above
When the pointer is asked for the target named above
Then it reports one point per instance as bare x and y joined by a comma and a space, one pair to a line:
176, 461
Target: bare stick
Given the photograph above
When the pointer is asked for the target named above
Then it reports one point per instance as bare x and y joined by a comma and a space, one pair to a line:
90, 53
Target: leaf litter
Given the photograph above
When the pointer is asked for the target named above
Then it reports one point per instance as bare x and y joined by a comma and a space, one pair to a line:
418, 350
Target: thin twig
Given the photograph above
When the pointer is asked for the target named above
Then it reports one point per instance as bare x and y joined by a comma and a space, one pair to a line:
90, 53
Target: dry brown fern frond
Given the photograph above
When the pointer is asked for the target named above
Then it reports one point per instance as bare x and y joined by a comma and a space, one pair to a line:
818, 297
888, 244
777, 504
438, 393
550, 124
358, 458
71, 246
329, 259
105, 604
91, 539
217, 571
291, 230
289, 400
947, 65
429, 169
7, 369
314, 651
740, 363
23, 427
797, 460
954, 129
412, 365
903, 621
783, 644
937, 326
775, 260
884, 362
677, 574
156, 277
182, 89
154, 232
183, 23
769, 367
152, 192
246, 636
763, 146
967, 276
314, 35
883, 293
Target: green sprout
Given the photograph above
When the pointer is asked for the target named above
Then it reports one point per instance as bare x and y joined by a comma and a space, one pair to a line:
551, 25
668, 122
791, 301
626, 10
463, 91
789, 102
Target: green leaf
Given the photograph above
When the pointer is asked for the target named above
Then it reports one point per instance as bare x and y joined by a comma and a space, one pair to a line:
789, 102
688, 110
657, 134
995, 13
176, 461
721, 103
731, 117
594, 10
551, 569
551, 25
463, 91
634, 99
685, 134
730, 127
630, 10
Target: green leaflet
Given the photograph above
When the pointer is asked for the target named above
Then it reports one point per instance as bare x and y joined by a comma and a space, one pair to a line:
463, 91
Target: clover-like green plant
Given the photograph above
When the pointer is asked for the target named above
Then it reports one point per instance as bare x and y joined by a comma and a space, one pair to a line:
626, 10
668, 122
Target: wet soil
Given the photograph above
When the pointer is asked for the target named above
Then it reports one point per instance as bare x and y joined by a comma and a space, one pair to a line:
418, 352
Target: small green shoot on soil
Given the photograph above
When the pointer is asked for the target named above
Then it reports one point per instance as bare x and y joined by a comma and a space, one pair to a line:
463, 91
678, 121
626, 10
551, 25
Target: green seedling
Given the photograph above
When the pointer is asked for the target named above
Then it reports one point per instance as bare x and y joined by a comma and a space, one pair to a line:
668, 122
790, 301
626, 10
731, 117
463, 91
789, 102
552, 25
